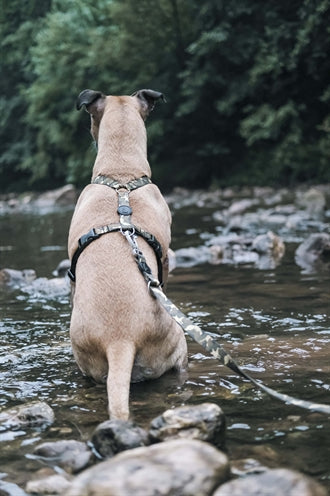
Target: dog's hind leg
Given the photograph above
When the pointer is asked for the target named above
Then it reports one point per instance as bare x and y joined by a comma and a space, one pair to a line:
120, 363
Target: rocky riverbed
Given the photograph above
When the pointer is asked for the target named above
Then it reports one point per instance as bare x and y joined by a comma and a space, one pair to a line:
184, 450
182, 453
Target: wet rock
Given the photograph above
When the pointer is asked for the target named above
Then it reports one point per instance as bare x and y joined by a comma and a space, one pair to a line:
314, 201
171, 257
247, 466
36, 414
264, 251
277, 482
205, 422
241, 206
54, 484
51, 288
182, 467
269, 243
64, 196
314, 252
72, 456
270, 248
17, 278
26, 280
188, 257
62, 268
61, 197
10, 489
113, 436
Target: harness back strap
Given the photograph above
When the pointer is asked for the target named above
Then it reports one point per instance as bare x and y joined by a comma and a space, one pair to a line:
124, 210
112, 183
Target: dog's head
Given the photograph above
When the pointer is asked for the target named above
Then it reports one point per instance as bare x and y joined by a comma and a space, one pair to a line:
95, 103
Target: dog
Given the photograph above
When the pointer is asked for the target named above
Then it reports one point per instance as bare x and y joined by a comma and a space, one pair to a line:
119, 332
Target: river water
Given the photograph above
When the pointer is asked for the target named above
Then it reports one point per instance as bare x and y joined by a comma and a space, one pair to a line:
274, 322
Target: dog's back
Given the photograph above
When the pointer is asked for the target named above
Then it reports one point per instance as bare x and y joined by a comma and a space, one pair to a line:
118, 331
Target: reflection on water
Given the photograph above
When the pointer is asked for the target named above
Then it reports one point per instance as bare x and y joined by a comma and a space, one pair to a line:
275, 323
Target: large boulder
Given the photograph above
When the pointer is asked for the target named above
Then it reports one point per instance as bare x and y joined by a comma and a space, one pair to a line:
276, 482
183, 467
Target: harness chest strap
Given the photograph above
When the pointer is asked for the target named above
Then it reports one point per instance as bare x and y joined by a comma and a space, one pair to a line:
124, 210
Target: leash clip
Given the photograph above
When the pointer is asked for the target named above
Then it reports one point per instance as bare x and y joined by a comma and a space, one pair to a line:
129, 234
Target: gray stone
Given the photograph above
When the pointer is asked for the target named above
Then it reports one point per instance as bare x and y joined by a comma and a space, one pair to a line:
313, 252
64, 196
62, 268
193, 255
17, 278
72, 456
269, 243
277, 482
113, 436
36, 414
314, 201
240, 206
181, 467
51, 288
54, 484
205, 422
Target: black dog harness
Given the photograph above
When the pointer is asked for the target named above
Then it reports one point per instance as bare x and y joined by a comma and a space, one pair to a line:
124, 225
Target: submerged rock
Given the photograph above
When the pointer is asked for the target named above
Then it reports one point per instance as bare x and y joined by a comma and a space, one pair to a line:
114, 436
205, 422
276, 482
36, 414
182, 467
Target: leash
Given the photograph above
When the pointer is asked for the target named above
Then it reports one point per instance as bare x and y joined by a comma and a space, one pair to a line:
203, 338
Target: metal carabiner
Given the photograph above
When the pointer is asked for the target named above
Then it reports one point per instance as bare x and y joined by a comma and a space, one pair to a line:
130, 236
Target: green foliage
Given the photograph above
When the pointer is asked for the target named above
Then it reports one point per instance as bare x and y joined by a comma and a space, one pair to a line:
246, 82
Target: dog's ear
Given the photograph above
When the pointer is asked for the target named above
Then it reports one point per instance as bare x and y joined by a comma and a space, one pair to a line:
148, 99
87, 97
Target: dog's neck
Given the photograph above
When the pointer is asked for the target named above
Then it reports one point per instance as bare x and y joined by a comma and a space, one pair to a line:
122, 146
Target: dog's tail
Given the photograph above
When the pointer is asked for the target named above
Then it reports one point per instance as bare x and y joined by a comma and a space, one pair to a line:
120, 365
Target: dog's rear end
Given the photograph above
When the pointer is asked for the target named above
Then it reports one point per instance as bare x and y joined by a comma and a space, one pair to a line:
118, 331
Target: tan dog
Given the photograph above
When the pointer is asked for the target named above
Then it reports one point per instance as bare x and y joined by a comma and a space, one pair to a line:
119, 332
